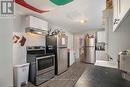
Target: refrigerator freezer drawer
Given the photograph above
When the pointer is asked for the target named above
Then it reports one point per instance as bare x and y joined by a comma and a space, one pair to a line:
62, 60
90, 49
90, 59
90, 55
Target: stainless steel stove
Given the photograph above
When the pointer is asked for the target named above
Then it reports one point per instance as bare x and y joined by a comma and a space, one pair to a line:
42, 65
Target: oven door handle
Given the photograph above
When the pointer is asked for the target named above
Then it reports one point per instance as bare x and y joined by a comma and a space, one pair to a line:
44, 57
33, 62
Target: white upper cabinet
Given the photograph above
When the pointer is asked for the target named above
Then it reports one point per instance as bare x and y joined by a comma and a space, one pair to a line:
124, 6
45, 25
115, 9
101, 37
121, 9
37, 23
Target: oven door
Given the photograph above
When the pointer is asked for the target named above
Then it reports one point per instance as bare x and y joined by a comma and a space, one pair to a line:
45, 64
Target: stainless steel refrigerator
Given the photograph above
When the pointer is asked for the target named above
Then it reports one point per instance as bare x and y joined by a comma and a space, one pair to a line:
87, 53
57, 44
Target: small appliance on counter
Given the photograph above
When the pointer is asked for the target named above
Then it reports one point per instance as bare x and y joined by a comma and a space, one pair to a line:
100, 46
42, 65
57, 44
124, 64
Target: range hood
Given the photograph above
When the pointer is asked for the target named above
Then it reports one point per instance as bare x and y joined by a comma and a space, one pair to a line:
36, 31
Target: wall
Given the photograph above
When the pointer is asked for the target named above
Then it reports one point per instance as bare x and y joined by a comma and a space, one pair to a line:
119, 40
76, 45
6, 64
19, 53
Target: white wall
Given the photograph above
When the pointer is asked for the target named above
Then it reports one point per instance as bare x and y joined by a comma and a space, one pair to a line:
19, 53
76, 46
6, 64
119, 40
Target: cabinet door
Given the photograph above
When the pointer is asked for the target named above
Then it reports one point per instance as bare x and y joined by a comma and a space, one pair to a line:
44, 25
35, 22
115, 10
123, 7
101, 37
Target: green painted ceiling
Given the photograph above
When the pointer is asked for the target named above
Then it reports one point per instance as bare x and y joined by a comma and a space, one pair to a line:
61, 2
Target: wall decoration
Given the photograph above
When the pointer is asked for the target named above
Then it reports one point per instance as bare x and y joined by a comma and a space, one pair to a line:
26, 5
22, 41
15, 39
109, 4
55, 30
90, 36
81, 41
42, 6
19, 39
61, 2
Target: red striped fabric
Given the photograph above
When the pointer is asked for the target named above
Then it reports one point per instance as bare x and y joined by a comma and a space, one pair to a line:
26, 5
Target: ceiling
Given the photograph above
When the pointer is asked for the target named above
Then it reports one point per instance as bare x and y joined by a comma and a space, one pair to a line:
69, 15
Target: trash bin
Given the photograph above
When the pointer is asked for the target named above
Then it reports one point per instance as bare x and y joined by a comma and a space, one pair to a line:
21, 74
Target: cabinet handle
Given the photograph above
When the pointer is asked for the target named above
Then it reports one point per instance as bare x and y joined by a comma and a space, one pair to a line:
116, 21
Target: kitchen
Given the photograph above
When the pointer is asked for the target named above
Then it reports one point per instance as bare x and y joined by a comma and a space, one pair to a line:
31, 32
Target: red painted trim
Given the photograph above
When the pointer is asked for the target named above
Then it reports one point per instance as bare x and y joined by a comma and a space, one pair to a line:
26, 5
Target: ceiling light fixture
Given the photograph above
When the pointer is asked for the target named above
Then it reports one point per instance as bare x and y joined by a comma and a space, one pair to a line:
83, 21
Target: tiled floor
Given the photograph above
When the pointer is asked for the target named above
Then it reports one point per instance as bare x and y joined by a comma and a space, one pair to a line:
87, 75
